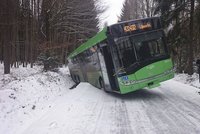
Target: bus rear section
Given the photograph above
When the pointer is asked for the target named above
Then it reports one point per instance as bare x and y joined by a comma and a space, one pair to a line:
142, 56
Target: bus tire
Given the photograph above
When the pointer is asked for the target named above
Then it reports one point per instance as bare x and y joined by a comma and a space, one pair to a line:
75, 79
78, 79
101, 83
72, 76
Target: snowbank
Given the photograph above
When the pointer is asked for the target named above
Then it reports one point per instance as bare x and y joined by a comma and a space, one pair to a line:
189, 80
27, 93
32, 101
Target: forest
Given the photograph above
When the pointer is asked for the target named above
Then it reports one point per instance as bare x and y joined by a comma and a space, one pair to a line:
44, 30
181, 21
48, 30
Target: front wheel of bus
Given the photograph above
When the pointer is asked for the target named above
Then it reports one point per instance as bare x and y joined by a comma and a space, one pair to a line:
77, 79
101, 83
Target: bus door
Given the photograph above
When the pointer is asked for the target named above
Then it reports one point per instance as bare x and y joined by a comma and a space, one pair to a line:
105, 50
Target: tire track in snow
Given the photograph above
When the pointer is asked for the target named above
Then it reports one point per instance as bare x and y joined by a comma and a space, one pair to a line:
161, 110
139, 116
122, 118
113, 117
173, 114
184, 112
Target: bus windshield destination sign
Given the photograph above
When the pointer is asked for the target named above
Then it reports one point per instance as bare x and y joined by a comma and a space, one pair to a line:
133, 27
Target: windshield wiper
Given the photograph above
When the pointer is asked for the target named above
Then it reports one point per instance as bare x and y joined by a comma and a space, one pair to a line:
131, 66
119, 70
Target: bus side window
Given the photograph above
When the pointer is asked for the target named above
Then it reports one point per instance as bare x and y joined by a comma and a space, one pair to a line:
79, 58
74, 60
84, 56
88, 53
93, 57
93, 49
101, 51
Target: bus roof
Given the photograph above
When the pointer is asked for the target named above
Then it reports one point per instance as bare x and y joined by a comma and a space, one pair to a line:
91, 42
117, 30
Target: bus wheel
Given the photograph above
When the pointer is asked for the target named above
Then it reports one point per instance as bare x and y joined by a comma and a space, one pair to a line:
73, 77
101, 83
78, 79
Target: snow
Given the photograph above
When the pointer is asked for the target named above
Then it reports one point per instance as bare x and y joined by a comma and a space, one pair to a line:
89, 110
26, 93
36, 102
189, 80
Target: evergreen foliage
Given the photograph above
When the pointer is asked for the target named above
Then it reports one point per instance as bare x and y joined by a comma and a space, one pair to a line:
30, 28
181, 20
49, 61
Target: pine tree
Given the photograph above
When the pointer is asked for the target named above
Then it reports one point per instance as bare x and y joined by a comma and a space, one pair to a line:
179, 15
134, 9
33, 27
66, 24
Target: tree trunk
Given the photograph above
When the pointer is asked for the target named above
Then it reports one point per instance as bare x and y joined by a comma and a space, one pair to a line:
191, 51
6, 50
7, 36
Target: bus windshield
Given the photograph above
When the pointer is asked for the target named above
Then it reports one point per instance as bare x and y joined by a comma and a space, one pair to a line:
139, 48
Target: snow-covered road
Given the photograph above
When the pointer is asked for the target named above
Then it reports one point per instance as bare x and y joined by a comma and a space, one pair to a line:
173, 108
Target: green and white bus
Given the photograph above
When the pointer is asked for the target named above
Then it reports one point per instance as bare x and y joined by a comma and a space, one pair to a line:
124, 57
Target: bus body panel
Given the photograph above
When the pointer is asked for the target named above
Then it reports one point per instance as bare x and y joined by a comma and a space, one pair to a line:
75, 70
149, 76
154, 69
87, 68
93, 71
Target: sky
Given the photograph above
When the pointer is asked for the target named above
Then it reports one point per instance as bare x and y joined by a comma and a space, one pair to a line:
112, 13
